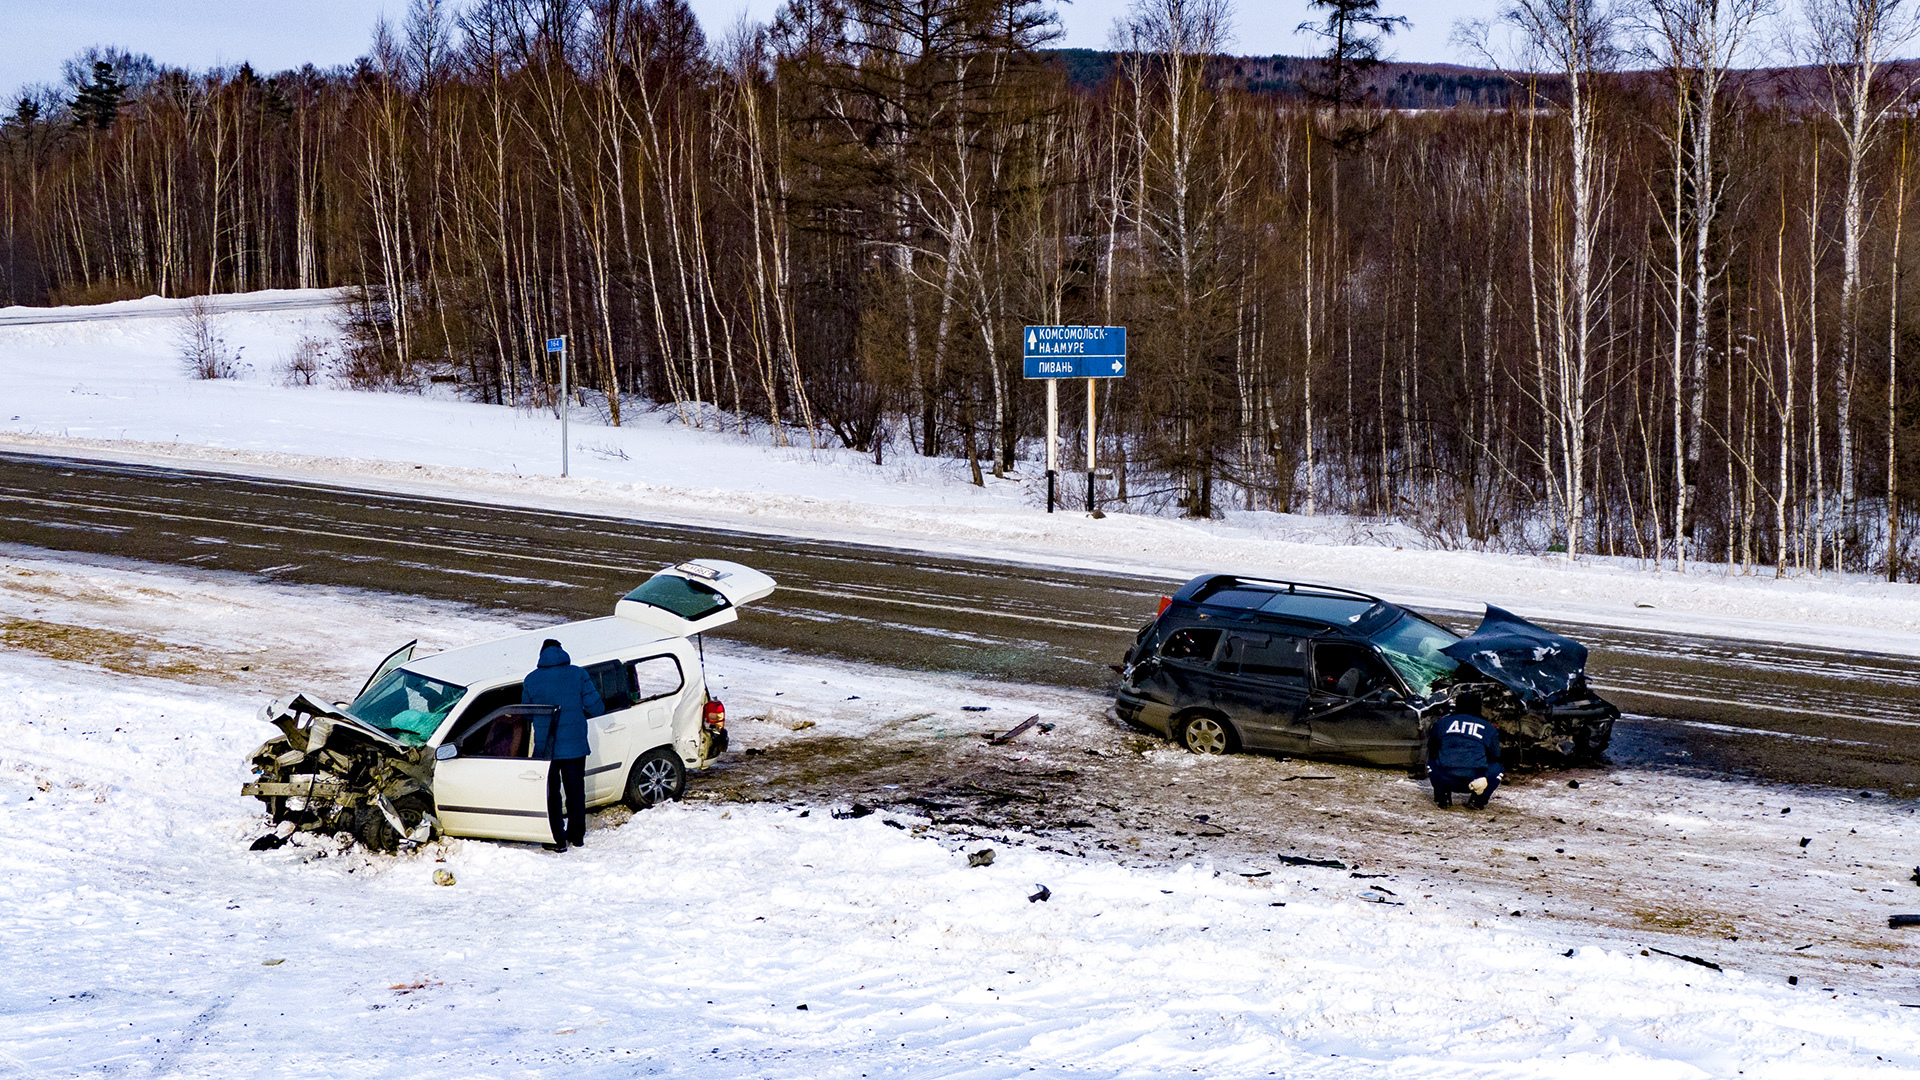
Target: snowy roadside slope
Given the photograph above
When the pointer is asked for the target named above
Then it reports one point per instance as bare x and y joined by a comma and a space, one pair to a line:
144, 938
112, 387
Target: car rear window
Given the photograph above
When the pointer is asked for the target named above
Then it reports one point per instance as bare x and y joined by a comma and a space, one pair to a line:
1267, 656
685, 598
1191, 644
610, 679
655, 677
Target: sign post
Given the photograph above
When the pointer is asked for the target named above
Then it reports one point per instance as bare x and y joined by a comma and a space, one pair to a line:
1073, 352
1090, 431
1053, 437
559, 345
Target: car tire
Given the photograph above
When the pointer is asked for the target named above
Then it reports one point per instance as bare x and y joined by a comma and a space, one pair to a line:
659, 776
1206, 733
1590, 743
376, 832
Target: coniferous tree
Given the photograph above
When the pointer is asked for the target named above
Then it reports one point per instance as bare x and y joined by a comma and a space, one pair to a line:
97, 104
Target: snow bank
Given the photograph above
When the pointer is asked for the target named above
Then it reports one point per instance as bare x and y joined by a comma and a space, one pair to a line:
110, 384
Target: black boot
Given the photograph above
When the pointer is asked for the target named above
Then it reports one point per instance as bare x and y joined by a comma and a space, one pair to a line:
1442, 799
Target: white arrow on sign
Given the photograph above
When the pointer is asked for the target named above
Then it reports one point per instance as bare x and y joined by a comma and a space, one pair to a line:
1117, 365
1030, 339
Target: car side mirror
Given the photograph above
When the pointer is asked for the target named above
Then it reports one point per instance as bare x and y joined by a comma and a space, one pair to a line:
445, 752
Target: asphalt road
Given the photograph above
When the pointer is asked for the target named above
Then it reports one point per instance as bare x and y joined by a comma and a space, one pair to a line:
1790, 714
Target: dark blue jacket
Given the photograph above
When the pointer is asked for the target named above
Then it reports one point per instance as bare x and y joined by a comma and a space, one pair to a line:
1464, 741
558, 683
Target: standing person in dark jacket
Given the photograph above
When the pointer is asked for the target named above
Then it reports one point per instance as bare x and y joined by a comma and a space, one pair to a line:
1463, 755
556, 682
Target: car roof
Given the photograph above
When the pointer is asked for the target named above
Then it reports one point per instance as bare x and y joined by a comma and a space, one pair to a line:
1261, 599
512, 657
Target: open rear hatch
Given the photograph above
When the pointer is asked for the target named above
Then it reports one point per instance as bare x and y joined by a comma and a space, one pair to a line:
694, 597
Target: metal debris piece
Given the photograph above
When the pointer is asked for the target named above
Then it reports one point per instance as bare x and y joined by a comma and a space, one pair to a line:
983, 857
1014, 732
1695, 959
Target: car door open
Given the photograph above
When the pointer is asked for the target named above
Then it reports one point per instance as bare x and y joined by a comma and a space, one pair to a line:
487, 781
394, 659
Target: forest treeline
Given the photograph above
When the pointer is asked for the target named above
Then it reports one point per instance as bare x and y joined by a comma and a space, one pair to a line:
1660, 315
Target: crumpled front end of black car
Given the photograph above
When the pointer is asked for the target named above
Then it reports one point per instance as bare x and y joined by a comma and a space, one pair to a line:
1574, 730
1534, 689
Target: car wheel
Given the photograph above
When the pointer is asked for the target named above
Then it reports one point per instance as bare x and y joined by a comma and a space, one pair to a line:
376, 832
1204, 733
1590, 743
659, 776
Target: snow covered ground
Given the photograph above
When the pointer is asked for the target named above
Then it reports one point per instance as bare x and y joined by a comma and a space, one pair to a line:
738, 939
110, 384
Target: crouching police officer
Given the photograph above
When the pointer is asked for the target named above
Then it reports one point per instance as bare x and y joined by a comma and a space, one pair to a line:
1463, 755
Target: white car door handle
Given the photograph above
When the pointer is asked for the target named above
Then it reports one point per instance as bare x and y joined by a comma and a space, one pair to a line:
532, 776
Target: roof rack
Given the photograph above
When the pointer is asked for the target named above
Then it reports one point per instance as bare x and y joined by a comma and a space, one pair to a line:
1296, 586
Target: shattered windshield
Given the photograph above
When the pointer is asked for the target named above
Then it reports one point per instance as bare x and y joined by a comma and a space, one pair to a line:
406, 705
1412, 645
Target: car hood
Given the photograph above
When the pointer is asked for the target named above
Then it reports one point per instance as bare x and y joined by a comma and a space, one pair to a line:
1533, 662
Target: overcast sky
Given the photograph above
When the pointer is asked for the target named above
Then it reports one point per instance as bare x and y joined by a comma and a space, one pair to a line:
278, 34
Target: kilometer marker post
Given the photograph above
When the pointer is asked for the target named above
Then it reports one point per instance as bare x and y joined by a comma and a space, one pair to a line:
559, 345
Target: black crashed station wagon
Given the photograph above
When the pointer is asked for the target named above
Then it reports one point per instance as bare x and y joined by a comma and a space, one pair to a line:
1232, 663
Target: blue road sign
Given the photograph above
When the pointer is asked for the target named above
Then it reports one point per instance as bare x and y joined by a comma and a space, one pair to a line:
1075, 352
556, 344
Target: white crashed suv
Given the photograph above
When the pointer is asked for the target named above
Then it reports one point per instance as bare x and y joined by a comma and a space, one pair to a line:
441, 743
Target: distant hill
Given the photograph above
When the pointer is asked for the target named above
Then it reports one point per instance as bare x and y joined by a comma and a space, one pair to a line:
1393, 84
1397, 85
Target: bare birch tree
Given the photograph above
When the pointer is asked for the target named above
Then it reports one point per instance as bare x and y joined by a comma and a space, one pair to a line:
1854, 42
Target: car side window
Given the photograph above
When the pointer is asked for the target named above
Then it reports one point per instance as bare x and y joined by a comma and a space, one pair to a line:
655, 677
1275, 657
1348, 670
503, 733
1193, 645
610, 678
483, 705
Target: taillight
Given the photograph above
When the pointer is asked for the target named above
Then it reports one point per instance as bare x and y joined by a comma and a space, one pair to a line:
1161, 610
714, 715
